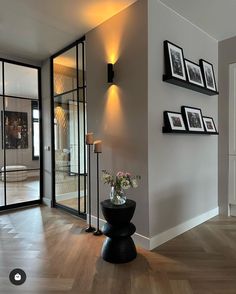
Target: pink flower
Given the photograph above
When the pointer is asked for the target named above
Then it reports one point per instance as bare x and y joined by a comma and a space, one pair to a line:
120, 174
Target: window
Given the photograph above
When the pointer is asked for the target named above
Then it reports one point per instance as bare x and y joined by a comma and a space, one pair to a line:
35, 130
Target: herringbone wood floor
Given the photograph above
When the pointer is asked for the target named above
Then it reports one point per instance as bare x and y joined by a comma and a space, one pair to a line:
59, 257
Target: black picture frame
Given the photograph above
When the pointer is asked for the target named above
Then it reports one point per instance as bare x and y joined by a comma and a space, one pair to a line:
174, 61
194, 73
193, 119
171, 125
208, 75
209, 129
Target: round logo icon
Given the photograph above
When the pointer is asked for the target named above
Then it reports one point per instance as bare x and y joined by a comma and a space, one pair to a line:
17, 277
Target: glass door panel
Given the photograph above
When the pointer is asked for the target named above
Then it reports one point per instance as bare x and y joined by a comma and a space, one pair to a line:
64, 67
1, 81
20, 135
21, 81
69, 129
22, 186
66, 150
22, 170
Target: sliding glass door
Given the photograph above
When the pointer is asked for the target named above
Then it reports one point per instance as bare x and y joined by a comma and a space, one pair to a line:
69, 119
20, 136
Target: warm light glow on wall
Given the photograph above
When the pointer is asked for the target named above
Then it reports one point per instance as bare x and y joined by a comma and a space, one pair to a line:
58, 84
60, 116
113, 119
99, 11
69, 61
111, 35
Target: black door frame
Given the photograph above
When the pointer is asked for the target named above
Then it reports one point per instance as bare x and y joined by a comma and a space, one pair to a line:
53, 202
39, 201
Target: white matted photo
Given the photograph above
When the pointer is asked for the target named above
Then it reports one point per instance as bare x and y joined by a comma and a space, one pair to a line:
209, 75
194, 73
176, 59
193, 117
175, 121
209, 124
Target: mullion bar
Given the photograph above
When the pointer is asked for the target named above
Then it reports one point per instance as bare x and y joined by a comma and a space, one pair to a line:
67, 92
84, 122
78, 129
19, 97
4, 136
19, 63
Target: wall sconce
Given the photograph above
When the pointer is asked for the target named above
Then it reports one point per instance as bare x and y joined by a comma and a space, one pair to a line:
110, 73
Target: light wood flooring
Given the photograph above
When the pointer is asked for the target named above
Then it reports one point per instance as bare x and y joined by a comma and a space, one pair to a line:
59, 257
22, 191
73, 203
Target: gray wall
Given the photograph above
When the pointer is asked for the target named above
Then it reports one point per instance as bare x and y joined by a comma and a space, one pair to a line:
182, 168
46, 108
227, 55
118, 114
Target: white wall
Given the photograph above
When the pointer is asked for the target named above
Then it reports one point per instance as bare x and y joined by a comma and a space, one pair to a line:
182, 168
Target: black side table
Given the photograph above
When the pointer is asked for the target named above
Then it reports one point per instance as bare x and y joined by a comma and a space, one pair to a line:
118, 246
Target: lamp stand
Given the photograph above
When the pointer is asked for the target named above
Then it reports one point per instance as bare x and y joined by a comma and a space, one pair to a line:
89, 228
98, 232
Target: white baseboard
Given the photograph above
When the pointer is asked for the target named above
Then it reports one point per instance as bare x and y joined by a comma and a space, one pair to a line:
181, 228
232, 210
47, 201
69, 195
155, 241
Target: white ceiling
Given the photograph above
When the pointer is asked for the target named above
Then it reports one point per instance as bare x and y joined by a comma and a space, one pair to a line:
216, 17
35, 29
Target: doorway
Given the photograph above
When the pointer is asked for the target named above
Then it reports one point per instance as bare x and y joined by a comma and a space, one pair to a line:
69, 127
20, 133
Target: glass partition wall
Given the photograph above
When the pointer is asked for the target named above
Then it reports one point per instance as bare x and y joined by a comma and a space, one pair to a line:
20, 177
69, 120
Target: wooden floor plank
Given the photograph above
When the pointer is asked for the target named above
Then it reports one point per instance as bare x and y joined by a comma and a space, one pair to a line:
59, 257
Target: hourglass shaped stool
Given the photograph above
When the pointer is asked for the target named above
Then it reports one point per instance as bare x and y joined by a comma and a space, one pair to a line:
118, 246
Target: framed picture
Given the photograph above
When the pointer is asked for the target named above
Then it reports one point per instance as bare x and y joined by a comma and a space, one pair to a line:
174, 60
16, 130
209, 124
209, 75
193, 118
194, 73
174, 121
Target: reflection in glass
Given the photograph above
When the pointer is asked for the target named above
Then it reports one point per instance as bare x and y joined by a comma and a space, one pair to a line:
22, 185
69, 129
21, 81
18, 131
1, 78
1, 160
64, 66
67, 159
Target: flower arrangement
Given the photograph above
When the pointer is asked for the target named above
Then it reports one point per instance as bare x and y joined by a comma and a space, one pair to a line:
122, 180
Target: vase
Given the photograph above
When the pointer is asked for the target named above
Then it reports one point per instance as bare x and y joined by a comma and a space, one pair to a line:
117, 197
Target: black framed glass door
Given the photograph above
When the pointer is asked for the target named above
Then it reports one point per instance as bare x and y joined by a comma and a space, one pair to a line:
20, 171
69, 127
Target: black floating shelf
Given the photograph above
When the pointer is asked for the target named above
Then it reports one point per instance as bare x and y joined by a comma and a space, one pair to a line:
188, 85
168, 131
